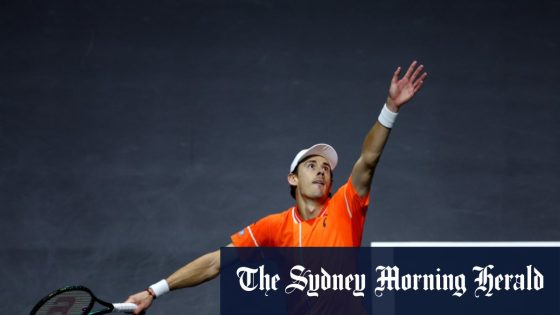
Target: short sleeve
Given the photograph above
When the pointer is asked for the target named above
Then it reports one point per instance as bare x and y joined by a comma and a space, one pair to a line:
254, 235
351, 201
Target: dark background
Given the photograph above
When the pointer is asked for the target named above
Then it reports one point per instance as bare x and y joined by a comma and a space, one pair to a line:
137, 135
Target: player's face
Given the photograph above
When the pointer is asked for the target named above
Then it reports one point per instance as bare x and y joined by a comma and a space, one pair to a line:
314, 178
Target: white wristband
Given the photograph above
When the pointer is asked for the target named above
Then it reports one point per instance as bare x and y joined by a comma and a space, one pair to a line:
387, 118
160, 288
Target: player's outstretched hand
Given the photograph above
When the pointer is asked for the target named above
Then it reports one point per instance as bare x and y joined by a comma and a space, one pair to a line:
402, 90
142, 299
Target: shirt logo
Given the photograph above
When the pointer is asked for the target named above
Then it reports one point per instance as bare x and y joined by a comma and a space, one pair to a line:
241, 232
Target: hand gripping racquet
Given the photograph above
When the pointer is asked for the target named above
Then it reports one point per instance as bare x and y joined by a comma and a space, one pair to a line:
77, 300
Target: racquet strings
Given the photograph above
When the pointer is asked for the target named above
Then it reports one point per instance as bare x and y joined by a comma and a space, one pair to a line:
75, 302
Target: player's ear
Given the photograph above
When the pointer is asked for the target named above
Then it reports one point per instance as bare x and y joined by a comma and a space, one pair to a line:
292, 179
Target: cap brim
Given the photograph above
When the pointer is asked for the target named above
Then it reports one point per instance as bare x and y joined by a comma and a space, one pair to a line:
321, 149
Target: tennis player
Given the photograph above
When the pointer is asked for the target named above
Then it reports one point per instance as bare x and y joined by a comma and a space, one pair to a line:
317, 218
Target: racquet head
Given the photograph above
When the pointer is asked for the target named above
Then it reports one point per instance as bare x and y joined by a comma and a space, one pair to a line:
76, 300
72, 300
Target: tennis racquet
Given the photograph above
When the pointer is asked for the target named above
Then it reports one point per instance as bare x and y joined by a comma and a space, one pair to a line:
77, 300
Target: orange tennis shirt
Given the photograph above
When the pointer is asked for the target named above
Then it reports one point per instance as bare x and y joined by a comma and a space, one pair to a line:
340, 223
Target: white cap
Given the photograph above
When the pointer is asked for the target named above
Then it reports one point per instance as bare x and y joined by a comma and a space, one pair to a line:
320, 149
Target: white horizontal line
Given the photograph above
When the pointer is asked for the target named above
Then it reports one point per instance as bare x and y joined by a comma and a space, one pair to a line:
465, 244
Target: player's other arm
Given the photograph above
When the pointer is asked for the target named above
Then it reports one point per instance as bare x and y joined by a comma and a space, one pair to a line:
400, 92
200, 270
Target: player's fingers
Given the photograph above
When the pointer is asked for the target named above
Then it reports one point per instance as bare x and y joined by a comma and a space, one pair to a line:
396, 75
410, 69
419, 82
421, 79
415, 74
417, 87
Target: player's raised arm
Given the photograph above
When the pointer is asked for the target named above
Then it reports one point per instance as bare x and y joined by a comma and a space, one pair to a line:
400, 92
202, 269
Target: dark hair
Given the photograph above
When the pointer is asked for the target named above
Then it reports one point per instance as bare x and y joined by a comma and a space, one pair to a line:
293, 188
293, 191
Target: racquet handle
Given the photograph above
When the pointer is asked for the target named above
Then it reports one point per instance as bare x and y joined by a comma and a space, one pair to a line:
124, 307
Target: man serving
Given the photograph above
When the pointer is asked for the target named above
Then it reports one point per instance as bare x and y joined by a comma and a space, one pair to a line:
316, 219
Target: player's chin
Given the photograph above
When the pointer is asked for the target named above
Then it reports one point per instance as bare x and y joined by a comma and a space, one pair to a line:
318, 192
320, 187
322, 194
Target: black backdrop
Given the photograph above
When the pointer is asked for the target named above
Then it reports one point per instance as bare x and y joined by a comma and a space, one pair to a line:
138, 135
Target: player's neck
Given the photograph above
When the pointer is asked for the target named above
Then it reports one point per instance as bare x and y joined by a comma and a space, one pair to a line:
309, 208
